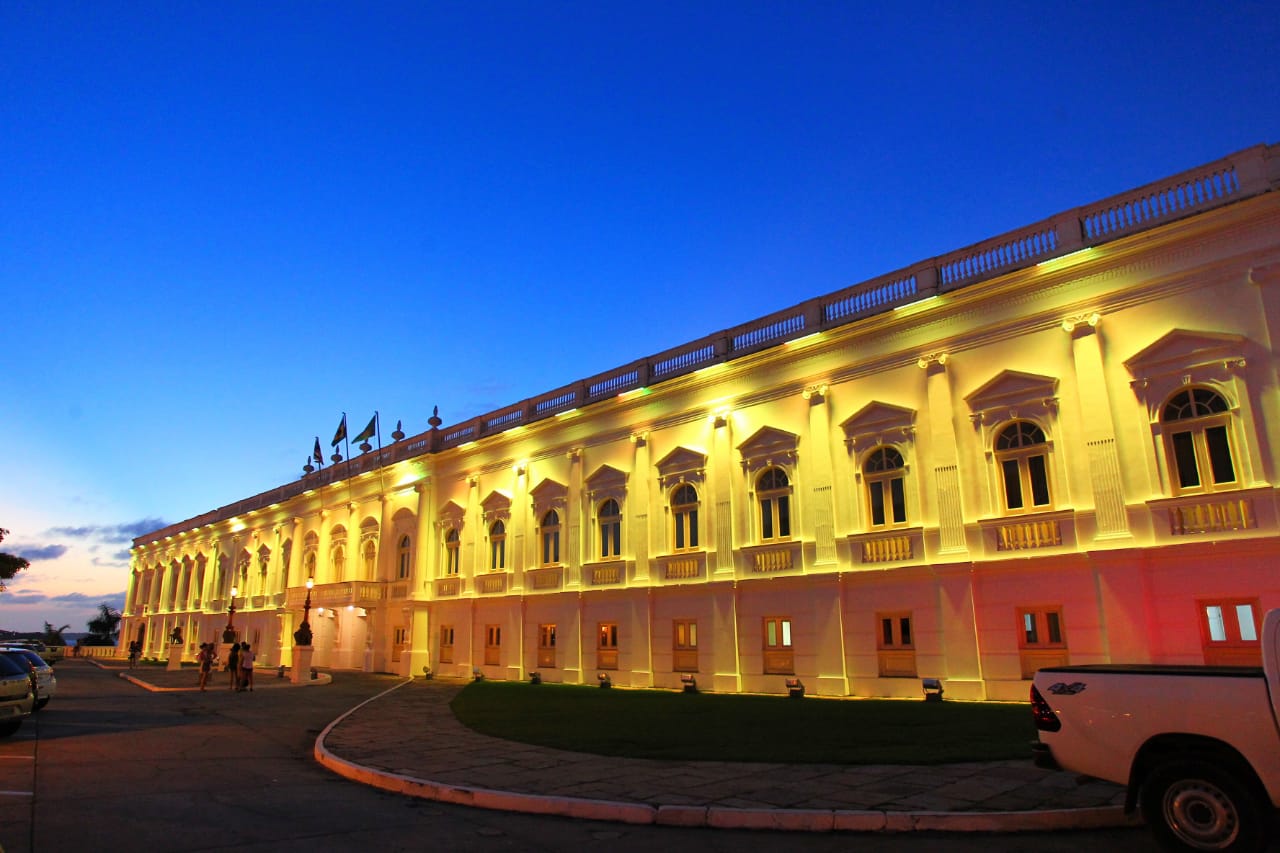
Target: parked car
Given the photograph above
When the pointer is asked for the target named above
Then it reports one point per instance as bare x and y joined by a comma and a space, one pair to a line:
17, 694
43, 679
1197, 746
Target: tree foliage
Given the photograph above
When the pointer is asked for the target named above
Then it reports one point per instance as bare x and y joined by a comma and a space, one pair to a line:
105, 627
10, 564
53, 636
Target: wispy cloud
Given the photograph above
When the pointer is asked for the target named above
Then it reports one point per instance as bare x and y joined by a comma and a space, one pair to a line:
35, 553
114, 533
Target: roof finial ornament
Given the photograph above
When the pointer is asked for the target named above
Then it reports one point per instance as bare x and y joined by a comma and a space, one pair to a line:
434, 420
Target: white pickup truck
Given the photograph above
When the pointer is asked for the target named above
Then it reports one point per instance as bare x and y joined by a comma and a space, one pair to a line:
1197, 746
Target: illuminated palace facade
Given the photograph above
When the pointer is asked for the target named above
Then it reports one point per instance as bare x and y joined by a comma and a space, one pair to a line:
1052, 446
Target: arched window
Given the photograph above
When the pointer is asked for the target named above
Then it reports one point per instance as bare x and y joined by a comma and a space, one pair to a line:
369, 558
884, 473
610, 520
1197, 440
773, 491
309, 563
339, 563
1023, 457
497, 547
403, 557
451, 545
684, 518
550, 538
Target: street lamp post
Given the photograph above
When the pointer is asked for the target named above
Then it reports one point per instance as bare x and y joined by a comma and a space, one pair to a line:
302, 636
302, 641
229, 635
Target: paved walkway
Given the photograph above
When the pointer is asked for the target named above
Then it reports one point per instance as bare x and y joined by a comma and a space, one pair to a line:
407, 740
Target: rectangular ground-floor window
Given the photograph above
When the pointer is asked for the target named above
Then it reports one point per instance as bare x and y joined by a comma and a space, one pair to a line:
895, 645
547, 646
492, 645
607, 646
1229, 632
779, 658
684, 635
446, 644
1042, 639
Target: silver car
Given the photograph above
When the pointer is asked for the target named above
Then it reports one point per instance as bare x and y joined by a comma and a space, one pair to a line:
46, 684
17, 694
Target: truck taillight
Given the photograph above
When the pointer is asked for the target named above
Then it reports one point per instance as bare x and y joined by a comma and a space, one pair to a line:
1046, 720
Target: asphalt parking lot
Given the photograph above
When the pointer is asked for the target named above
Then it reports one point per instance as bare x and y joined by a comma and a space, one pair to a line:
109, 765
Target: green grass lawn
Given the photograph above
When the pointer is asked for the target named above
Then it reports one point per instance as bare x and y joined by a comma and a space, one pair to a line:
725, 727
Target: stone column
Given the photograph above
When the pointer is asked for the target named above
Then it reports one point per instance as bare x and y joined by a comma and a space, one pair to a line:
1098, 428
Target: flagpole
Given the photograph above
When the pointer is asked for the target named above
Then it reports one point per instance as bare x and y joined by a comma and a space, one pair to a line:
346, 443
377, 428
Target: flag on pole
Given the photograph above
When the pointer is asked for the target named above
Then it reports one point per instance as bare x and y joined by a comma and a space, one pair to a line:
316, 454
341, 434
367, 432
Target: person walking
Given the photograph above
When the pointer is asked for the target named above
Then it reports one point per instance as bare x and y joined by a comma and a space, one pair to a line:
205, 659
135, 648
246, 667
233, 665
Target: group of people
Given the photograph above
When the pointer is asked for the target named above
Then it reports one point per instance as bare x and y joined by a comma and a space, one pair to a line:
239, 664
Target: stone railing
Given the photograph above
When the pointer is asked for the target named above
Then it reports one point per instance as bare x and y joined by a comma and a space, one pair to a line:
1029, 533
491, 584
548, 578
1239, 176
341, 594
1209, 514
763, 559
607, 574
885, 547
447, 587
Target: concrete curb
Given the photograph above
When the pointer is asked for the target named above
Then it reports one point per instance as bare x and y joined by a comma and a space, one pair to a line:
716, 817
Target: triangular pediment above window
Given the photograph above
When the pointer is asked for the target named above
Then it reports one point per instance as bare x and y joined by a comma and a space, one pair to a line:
549, 493
1011, 394
1181, 349
769, 446
496, 501
1011, 387
681, 464
606, 477
768, 440
877, 423
450, 516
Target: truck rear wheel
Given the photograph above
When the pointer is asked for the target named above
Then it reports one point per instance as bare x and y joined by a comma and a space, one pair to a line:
1196, 805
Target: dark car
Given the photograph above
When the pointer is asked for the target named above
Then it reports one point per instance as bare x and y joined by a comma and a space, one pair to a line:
43, 679
17, 694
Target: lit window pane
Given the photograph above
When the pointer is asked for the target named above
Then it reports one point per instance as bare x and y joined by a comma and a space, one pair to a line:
899, 501
1219, 455
877, 504
1244, 614
1055, 627
786, 632
1012, 485
1184, 456
771, 633
1039, 481
1217, 630
693, 635
1029, 628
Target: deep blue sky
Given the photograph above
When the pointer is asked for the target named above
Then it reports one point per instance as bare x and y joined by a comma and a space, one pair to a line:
223, 224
